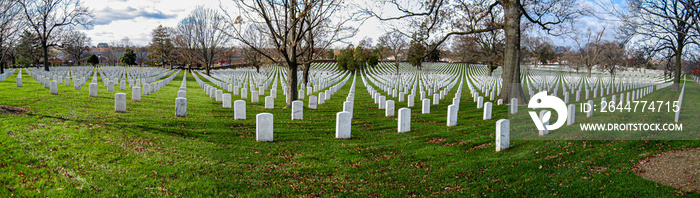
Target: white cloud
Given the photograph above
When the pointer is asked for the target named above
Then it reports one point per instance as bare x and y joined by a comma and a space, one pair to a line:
116, 19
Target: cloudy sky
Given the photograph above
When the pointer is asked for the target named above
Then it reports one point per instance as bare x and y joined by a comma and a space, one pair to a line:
135, 19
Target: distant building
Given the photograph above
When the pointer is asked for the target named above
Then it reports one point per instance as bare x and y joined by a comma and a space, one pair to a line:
102, 45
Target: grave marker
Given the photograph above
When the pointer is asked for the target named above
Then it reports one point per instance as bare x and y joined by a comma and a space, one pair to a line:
263, 127
120, 102
502, 134
239, 110
343, 125
297, 110
404, 120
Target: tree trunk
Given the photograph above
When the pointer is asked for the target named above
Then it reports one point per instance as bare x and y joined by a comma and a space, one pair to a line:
511, 56
589, 71
491, 69
679, 58
46, 55
208, 68
291, 84
396, 63
306, 69
257, 69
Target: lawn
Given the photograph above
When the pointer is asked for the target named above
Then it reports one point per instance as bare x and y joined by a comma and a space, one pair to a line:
72, 145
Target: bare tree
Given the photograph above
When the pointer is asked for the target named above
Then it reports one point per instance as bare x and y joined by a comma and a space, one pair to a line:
116, 49
665, 25
588, 48
256, 41
288, 24
185, 46
8, 29
612, 56
484, 48
322, 34
141, 54
462, 17
76, 45
47, 17
540, 48
205, 28
111, 54
395, 42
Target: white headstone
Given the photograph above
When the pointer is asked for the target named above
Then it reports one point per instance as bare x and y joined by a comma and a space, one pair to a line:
389, 112
136, 93
93, 89
502, 134
436, 99
513, 105
578, 95
254, 97
411, 101
54, 88
382, 102
545, 122
590, 112
571, 111
297, 110
244, 93
120, 102
488, 107
239, 110
263, 127
480, 102
343, 122
219, 95
269, 102
348, 106
622, 98
146, 88
321, 98
452, 115
312, 102
226, 100
426, 106
404, 120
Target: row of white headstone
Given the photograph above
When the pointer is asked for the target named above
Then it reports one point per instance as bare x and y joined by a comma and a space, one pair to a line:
8, 73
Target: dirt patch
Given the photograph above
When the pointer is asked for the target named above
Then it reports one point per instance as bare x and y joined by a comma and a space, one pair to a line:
10, 110
679, 169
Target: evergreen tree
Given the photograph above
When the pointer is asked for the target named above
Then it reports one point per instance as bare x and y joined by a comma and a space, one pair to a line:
162, 46
128, 58
93, 60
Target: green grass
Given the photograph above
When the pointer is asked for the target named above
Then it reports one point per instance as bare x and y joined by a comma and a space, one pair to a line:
72, 145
